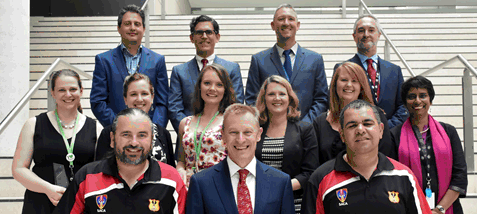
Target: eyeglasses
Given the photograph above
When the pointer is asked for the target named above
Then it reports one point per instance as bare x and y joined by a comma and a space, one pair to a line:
201, 32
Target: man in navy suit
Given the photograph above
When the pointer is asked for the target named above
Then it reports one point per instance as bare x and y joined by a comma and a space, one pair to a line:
303, 68
386, 88
240, 183
204, 34
111, 67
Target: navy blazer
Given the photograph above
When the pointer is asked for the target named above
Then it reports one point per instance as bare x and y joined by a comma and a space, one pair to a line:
300, 152
183, 80
108, 77
210, 191
390, 83
308, 79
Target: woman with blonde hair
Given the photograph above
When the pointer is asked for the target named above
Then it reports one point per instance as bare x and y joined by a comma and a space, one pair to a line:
349, 83
286, 144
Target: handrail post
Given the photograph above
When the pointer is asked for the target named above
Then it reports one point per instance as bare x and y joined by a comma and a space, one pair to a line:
360, 8
343, 9
387, 51
467, 105
163, 9
148, 27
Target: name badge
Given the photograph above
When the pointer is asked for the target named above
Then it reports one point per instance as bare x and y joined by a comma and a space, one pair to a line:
430, 197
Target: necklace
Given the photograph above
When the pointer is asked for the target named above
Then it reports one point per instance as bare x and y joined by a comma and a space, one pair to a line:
425, 130
66, 126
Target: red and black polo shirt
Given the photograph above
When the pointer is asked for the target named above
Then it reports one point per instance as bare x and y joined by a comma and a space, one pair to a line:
98, 188
336, 188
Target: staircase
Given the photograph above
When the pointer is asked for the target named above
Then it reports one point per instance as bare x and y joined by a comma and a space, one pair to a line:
424, 40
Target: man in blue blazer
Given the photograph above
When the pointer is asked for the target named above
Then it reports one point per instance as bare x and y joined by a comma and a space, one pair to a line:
113, 66
389, 77
240, 183
305, 72
204, 33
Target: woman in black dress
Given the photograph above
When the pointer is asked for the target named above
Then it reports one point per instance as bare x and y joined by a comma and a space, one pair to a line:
349, 83
138, 92
64, 136
286, 144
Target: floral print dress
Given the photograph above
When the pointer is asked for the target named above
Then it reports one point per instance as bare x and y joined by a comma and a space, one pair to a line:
212, 151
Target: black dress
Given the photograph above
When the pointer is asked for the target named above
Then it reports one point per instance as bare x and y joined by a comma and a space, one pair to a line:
161, 151
330, 144
49, 148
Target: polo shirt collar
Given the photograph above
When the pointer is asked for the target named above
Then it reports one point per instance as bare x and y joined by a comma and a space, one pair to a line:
383, 164
110, 167
363, 58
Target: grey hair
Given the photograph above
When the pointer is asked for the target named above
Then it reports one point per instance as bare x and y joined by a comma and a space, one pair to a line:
241, 109
130, 112
364, 16
286, 5
358, 104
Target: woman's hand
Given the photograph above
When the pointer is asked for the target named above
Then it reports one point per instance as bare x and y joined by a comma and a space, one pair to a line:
183, 174
55, 193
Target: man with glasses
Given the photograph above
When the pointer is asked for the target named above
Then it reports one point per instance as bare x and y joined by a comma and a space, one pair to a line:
111, 67
303, 68
204, 34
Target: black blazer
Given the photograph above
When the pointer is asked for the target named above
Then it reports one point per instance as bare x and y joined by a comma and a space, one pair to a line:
300, 152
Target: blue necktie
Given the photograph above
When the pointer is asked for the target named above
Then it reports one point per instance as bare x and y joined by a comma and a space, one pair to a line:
287, 64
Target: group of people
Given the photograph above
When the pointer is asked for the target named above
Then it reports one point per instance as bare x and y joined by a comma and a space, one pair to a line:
294, 147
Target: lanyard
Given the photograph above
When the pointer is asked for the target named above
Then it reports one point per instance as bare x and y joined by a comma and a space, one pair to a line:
70, 157
425, 156
198, 145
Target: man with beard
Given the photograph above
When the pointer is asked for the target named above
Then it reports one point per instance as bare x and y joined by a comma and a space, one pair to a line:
385, 78
303, 68
129, 181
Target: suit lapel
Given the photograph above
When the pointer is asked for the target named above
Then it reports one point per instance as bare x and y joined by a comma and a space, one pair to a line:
118, 59
299, 58
288, 142
277, 62
143, 61
383, 77
224, 187
262, 189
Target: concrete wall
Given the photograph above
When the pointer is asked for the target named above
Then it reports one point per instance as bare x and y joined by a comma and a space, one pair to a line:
173, 7
14, 67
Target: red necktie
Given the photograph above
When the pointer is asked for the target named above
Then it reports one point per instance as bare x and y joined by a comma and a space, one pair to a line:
244, 203
372, 75
204, 63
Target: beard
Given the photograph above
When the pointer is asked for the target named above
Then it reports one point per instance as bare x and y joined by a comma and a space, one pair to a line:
362, 46
121, 156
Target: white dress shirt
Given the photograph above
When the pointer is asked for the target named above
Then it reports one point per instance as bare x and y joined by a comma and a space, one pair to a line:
250, 181
199, 61
292, 54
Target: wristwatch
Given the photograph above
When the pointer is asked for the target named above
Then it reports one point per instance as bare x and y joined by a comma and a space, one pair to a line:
441, 209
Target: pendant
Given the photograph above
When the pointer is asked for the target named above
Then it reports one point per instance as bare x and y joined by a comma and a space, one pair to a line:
70, 157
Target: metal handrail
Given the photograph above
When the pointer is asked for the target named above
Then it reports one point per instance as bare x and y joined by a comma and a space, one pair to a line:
11, 115
363, 5
458, 57
144, 5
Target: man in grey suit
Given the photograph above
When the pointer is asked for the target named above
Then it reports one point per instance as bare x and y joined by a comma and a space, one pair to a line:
204, 34
303, 68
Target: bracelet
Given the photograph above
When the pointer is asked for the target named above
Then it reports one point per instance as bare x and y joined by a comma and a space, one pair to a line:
441, 209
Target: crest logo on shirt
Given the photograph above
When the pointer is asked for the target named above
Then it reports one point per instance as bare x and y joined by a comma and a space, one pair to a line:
393, 196
154, 205
101, 202
342, 194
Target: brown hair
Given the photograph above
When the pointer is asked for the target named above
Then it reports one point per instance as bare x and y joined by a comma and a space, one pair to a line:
240, 109
136, 77
355, 71
293, 114
229, 93
66, 72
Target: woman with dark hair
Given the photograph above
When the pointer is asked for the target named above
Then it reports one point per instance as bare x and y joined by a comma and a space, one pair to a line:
200, 135
431, 149
138, 92
349, 83
63, 139
286, 144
